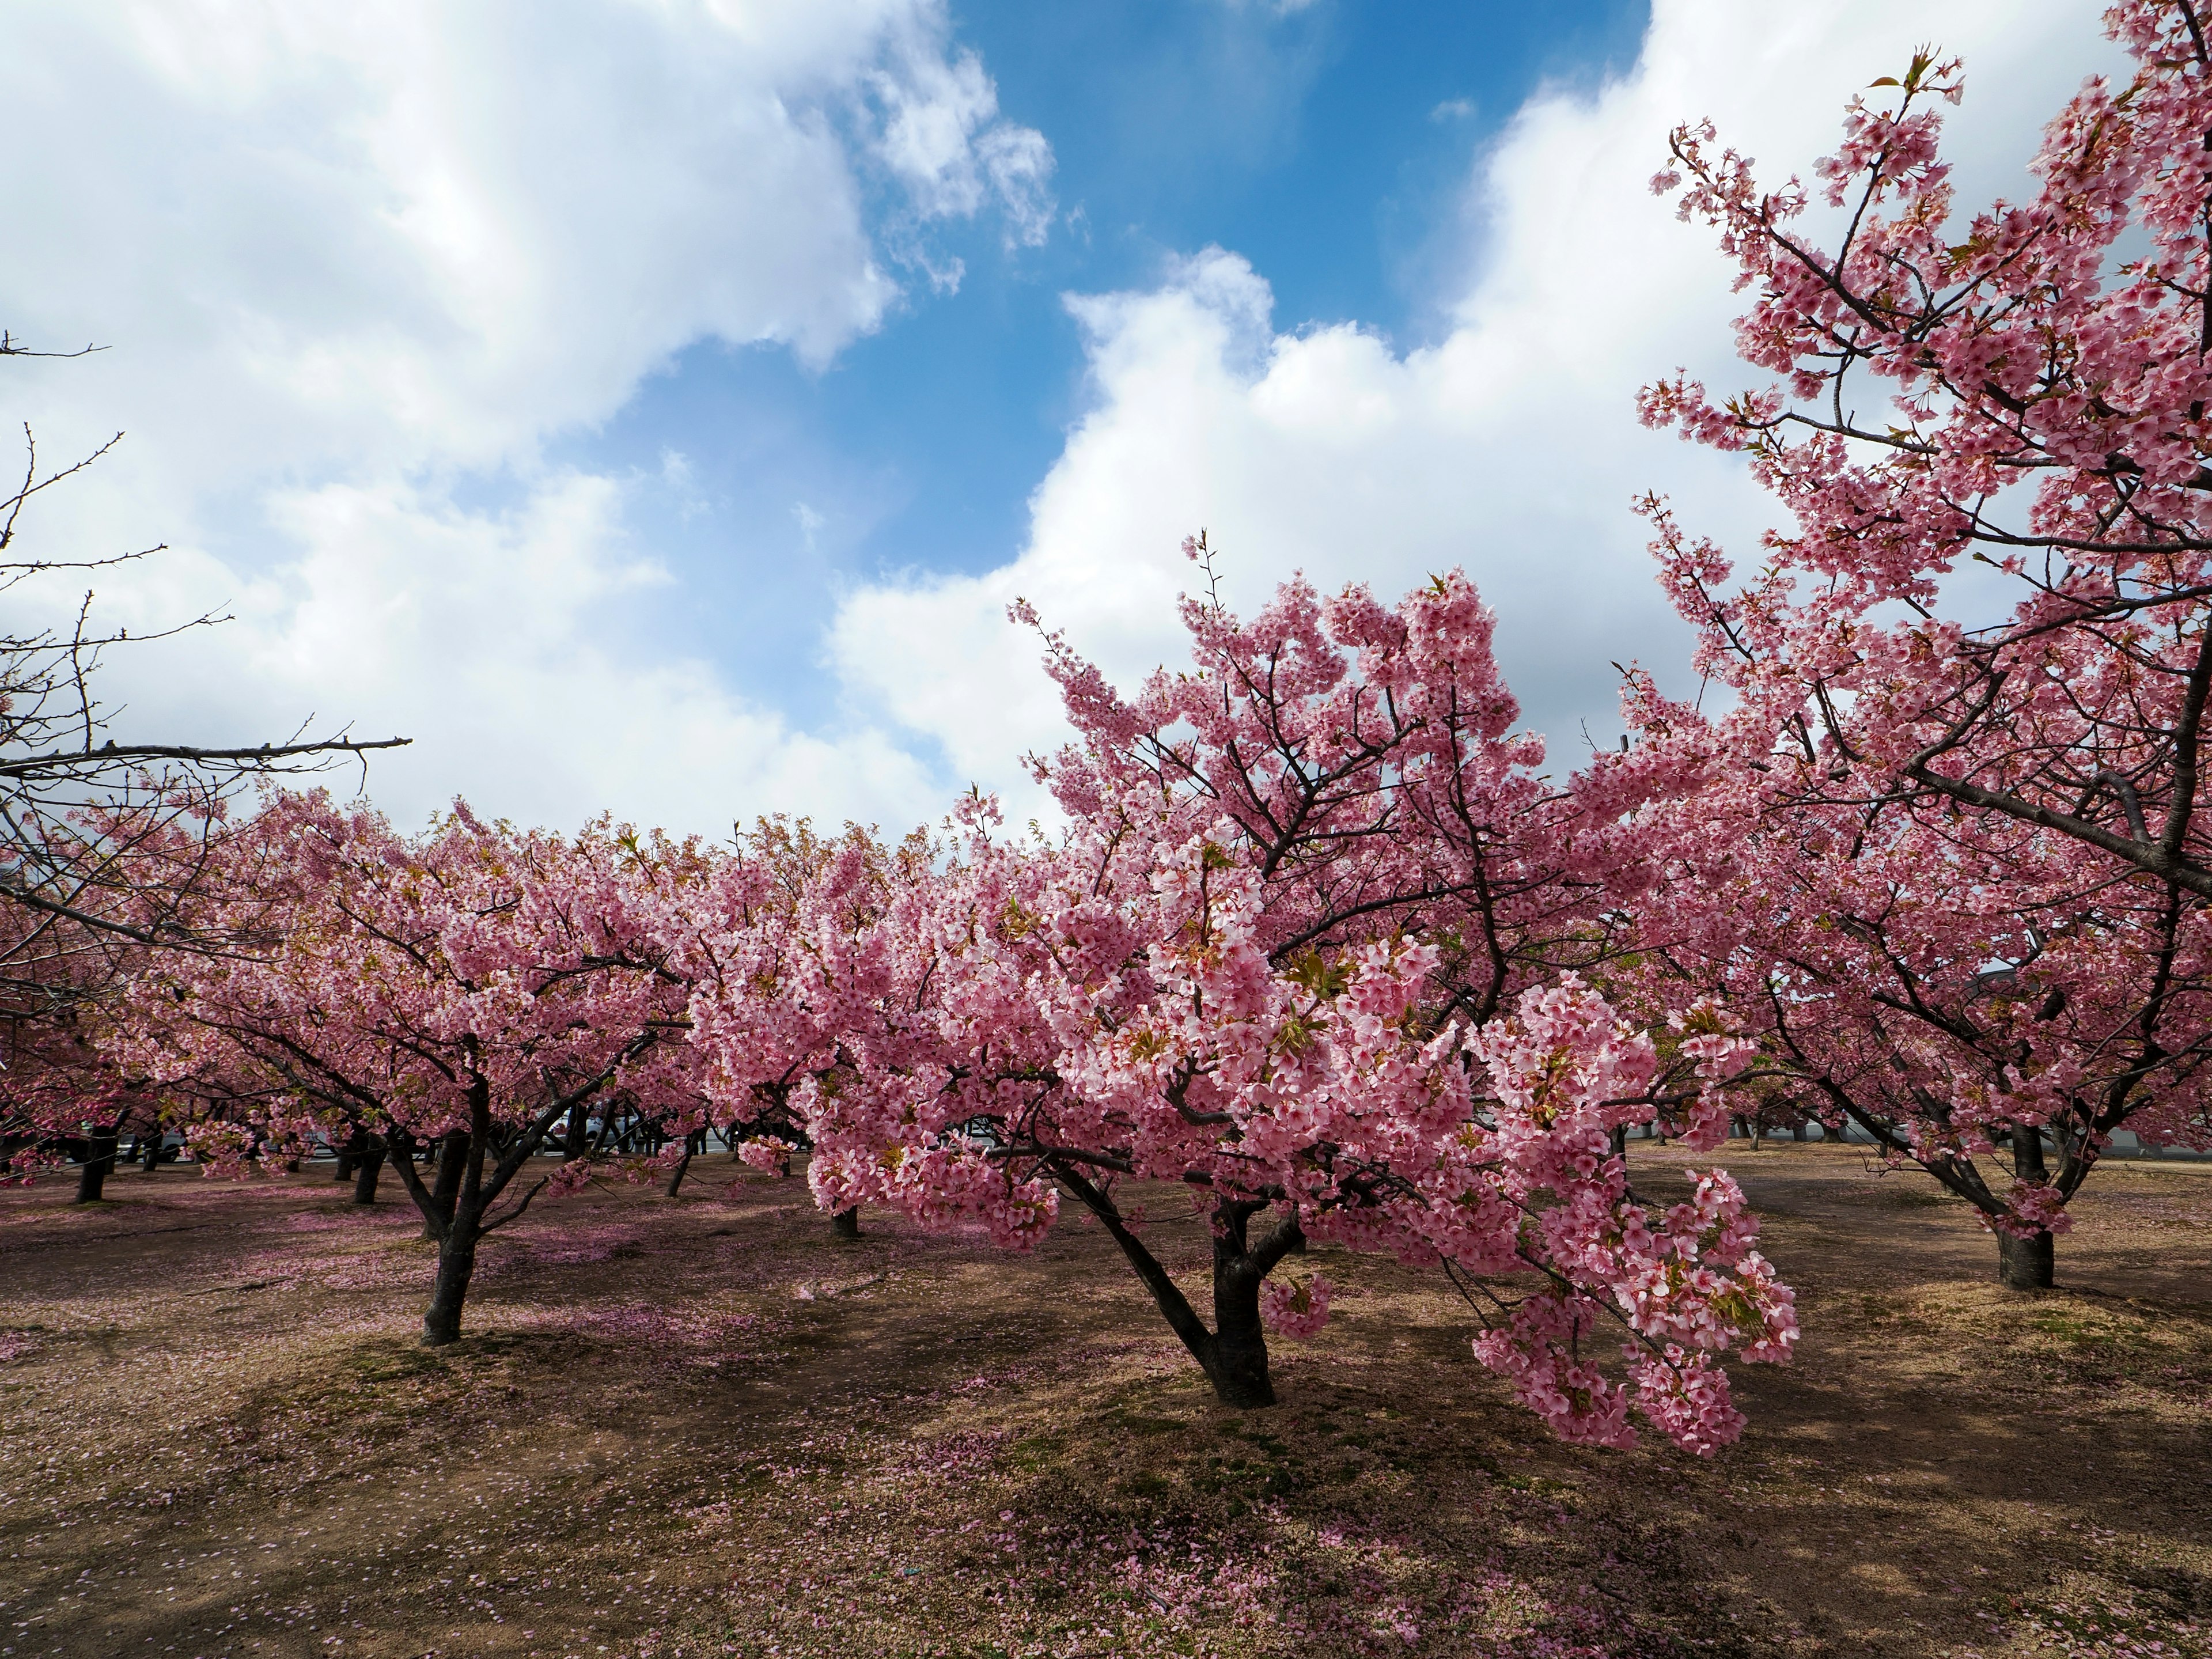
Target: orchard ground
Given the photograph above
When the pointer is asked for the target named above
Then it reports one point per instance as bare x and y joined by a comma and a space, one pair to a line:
706, 1425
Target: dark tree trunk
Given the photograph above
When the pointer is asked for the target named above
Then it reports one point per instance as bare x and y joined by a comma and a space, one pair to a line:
150, 1148
99, 1159
458, 1204
1620, 1140
366, 1170
457, 1265
675, 1175
466, 1204
579, 1136
2026, 1264
349, 1155
1237, 1367
1234, 1354
1796, 1132
846, 1223
453, 1159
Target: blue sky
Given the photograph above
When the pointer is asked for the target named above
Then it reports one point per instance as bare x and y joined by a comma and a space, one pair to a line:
656, 407
1331, 145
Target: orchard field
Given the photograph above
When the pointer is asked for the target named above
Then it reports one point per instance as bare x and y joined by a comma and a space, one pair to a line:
707, 1425
1000, 1322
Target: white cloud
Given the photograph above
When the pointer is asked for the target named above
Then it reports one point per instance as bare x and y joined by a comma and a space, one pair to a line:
354, 261
1510, 446
514, 647
942, 138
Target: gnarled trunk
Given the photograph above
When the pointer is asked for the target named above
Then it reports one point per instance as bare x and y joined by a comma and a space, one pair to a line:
1234, 1354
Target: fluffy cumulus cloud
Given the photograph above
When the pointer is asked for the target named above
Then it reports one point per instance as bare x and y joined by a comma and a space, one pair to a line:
1509, 446
355, 261
516, 648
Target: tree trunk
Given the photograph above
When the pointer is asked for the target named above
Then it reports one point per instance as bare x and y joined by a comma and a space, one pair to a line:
1233, 1355
150, 1148
675, 1175
457, 1265
99, 1159
1237, 1367
846, 1223
366, 1169
452, 1158
2026, 1264
1620, 1140
459, 1205
348, 1156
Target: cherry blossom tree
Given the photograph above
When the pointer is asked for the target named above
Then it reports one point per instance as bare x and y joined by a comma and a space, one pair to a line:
1945, 847
780, 949
1310, 951
466, 988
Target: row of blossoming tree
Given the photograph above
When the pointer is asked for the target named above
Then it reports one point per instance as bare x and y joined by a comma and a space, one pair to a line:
1323, 947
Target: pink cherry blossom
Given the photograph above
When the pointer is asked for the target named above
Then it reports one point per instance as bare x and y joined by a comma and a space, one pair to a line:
1935, 839
1313, 948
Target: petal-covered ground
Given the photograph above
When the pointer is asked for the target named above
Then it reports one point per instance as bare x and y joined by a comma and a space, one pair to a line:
706, 1425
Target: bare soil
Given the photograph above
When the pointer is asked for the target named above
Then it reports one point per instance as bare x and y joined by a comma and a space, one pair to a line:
707, 1426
